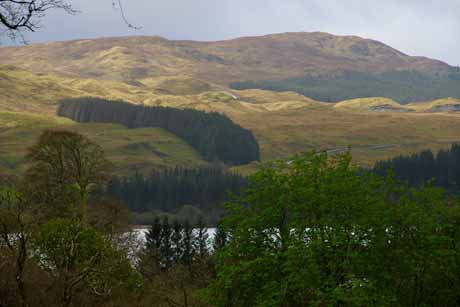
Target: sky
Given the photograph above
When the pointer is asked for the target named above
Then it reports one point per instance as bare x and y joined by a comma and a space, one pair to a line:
417, 27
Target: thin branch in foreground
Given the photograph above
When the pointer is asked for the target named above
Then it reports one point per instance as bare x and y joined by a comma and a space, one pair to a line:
117, 4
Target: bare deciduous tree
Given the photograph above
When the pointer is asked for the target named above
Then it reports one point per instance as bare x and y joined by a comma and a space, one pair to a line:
65, 161
17, 16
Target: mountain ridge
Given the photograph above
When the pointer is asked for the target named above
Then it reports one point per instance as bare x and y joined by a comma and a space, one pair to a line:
182, 74
274, 56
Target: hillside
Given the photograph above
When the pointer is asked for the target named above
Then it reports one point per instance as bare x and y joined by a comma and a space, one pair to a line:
183, 74
213, 135
277, 56
372, 104
404, 86
129, 149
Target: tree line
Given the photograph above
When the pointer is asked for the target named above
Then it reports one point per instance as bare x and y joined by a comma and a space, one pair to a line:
442, 169
167, 190
314, 231
181, 254
213, 135
402, 86
179, 242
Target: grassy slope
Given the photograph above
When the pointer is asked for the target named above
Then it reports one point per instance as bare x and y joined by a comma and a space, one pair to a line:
284, 123
428, 106
155, 71
129, 149
372, 135
276, 56
366, 104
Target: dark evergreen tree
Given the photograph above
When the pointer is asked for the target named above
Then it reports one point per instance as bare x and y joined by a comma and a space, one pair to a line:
213, 135
442, 169
153, 242
169, 189
166, 248
188, 250
201, 239
176, 240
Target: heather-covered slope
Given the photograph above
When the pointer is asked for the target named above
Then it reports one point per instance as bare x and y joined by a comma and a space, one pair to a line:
181, 74
277, 56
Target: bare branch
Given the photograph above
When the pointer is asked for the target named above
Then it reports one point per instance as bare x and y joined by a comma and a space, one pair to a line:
17, 16
117, 4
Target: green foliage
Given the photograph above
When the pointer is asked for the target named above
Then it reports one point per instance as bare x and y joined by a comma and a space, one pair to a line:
213, 135
65, 243
220, 238
78, 255
314, 231
402, 86
10, 204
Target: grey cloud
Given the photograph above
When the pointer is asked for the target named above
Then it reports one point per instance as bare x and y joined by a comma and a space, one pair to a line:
417, 27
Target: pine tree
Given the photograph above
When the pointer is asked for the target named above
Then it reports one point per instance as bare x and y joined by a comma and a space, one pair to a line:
176, 240
201, 239
169, 189
153, 241
188, 250
165, 244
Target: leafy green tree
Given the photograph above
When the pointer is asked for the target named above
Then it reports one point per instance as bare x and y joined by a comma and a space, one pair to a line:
316, 231
78, 258
220, 239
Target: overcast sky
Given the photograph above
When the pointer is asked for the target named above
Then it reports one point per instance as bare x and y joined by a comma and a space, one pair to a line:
417, 27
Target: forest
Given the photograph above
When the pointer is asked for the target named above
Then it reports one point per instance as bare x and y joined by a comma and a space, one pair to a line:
314, 231
441, 169
401, 86
213, 135
168, 190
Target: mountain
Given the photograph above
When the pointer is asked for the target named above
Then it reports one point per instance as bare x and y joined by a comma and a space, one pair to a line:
275, 56
183, 74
